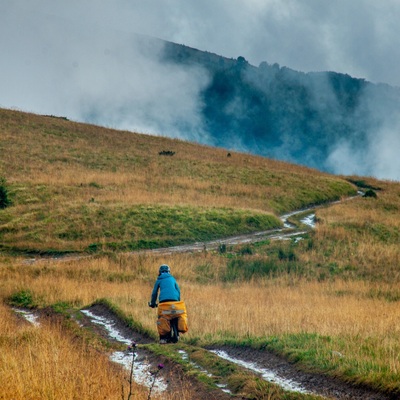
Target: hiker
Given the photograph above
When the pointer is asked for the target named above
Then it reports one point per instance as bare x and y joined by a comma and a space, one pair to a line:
170, 305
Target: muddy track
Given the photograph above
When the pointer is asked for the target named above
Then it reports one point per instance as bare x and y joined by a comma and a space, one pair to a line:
260, 362
313, 383
173, 377
288, 231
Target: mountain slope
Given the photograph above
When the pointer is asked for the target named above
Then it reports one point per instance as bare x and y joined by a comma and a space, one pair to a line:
306, 118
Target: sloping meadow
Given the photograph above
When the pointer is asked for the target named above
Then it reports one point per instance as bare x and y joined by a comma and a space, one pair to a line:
328, 302
75, 187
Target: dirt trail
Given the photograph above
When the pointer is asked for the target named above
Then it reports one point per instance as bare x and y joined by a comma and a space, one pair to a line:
319, 384
105, 323
263, 363
288, 231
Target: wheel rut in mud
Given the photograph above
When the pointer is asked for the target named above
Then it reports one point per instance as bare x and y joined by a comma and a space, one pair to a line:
265, 364
101, 320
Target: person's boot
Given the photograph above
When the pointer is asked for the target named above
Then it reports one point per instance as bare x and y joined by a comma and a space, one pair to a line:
163, 339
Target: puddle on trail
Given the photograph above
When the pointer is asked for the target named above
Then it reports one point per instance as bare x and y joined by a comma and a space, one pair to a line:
296, 236
185, 357
142, 371
28, 315
266, 374
309, 220
108, 325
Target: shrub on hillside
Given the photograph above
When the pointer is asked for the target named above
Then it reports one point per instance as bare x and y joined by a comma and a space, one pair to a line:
23, 298
4, 198
370, 193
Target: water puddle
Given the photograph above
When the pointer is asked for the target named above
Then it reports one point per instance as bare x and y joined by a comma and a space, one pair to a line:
28, 315
288, 236
142, 370
309, 220
266, 374
108, 325
185, 357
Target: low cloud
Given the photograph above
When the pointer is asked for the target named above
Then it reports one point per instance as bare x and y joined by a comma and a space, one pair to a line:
378, 158
104, 76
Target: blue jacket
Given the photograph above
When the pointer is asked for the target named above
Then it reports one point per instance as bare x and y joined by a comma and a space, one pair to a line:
168, 287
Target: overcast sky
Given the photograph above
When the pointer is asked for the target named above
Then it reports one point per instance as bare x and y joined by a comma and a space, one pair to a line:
359, 37
76, 57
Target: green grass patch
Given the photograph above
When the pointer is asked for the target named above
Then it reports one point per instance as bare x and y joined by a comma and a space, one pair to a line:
381, 232
362, 184
389, 296
93, 227
267, 260
23, 298
5, 200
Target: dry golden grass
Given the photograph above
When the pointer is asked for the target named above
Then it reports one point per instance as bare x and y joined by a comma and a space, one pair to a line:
69, 182
265, 308
46, 363
113, 166
128, 279
363, 234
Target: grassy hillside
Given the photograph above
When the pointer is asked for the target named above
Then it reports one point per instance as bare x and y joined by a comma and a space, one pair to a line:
329, 302
77, 187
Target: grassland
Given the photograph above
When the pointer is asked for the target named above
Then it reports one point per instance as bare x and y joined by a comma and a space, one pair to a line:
77, 187
329, 302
